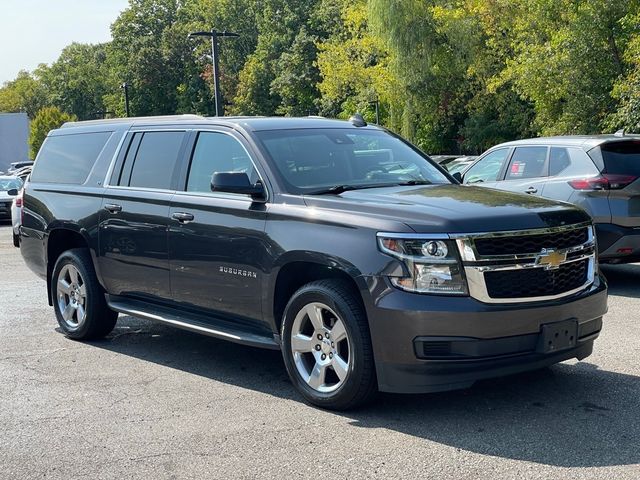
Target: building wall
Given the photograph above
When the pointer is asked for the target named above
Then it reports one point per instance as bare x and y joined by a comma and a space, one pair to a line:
14, 139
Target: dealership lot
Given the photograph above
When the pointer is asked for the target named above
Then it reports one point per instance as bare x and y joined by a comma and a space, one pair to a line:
154, 402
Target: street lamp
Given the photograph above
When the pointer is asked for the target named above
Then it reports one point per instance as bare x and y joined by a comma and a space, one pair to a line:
214, 56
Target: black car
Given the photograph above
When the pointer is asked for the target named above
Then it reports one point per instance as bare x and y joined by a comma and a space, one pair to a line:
336, 242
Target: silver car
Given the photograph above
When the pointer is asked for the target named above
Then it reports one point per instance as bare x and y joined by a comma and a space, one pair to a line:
600, 173
9, 189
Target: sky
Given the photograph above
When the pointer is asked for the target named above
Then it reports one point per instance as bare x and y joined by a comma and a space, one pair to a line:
35, 31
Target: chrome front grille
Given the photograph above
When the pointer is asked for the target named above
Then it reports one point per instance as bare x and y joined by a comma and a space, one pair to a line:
528, 266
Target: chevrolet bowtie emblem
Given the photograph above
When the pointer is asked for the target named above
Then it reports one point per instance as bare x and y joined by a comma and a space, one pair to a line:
550, 258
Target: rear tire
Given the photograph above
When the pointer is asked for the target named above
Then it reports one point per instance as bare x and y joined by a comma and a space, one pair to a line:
78, 297
327, 346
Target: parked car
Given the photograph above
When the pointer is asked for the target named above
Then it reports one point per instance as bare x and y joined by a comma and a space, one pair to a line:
459, 164
16, 218
336, 242
599, 173
9, 186
23, 172
17, 166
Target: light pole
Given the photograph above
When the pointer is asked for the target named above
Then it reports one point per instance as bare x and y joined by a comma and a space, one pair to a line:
214, 56
125, 86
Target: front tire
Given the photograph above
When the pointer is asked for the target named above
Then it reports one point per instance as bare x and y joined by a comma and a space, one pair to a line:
78, 297
327, 346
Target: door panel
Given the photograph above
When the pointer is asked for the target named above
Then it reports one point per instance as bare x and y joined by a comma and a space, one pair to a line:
216, 240
218, 258
134, 258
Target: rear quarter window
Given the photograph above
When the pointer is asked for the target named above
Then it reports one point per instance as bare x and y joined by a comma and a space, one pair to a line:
68, 158
621, 158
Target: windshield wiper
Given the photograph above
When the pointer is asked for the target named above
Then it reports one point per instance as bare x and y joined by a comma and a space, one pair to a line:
338, 189
415, 182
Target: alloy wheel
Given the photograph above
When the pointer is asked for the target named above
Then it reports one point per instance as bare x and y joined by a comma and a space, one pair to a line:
320, 347
72, 296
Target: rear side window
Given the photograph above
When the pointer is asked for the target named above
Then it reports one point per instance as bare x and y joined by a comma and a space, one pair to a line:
527, 162
151, 160
559, 160
68, 158
622, 158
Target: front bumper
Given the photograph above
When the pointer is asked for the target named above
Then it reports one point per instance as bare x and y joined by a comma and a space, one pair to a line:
427, 343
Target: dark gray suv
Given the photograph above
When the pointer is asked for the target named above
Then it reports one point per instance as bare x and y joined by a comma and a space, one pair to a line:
338, 243
600, 173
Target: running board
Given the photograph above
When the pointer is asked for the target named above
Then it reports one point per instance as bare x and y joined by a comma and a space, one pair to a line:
218, 328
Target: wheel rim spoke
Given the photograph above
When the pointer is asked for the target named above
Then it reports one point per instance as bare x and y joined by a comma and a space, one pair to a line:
82, 291
317, 377
64, 286
338, 333
301, 343
314, 313
80, 313
67, 313
340, 367
73, 275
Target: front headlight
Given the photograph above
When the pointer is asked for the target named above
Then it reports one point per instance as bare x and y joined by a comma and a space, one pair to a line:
433, 264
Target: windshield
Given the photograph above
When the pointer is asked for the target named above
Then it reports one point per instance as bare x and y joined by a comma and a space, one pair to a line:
314, 160
7, 184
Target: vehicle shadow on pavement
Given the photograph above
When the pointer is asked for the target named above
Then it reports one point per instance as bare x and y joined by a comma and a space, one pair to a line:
570, 415
624, 280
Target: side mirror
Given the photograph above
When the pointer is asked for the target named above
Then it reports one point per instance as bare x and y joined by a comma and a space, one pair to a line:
237, 182
13, 192
457, 176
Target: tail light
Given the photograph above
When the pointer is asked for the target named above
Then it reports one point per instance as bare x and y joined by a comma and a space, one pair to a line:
606, 181
19, 199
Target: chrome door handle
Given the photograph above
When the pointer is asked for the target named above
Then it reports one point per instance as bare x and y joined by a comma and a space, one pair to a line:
113, 208
531, 190
182, 217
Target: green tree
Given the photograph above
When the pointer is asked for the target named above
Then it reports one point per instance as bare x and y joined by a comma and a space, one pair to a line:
354, 68
44, 121
24, 94
76, 81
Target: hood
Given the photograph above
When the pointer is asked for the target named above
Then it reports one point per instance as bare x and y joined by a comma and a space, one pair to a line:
453, 208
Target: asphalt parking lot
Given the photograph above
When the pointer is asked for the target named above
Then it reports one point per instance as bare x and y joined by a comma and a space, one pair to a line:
154, 402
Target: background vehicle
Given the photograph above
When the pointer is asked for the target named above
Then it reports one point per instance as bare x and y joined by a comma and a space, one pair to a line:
23, 173
599, 173
336, 242
459, 164
15, 166
9, 186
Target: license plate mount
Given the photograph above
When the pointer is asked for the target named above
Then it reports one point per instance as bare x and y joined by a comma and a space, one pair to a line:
558, 336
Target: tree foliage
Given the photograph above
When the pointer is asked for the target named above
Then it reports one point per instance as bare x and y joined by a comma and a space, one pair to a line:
47, 119
452, 75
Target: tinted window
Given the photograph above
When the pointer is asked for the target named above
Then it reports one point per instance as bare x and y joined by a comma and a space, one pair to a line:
621, 158
155, 160
527, 162
217, 152
559, 160
68, 158
313, 159
488, 168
